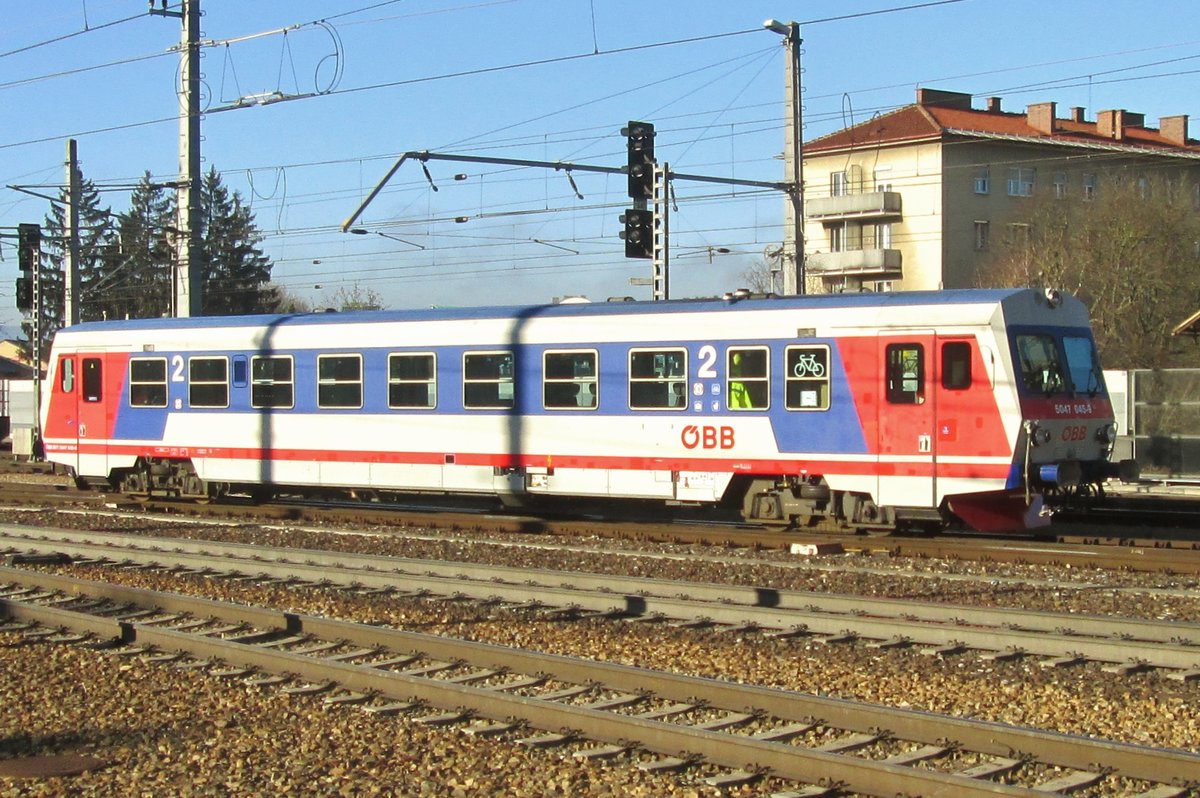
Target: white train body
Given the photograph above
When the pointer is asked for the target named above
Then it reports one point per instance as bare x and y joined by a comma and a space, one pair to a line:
864, 409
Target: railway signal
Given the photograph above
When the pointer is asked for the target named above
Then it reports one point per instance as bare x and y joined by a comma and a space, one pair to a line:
638, 233
29, 250
639, 140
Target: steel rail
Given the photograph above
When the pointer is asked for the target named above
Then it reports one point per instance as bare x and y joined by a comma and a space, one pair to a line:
873, 777
1129, 548
1123, 641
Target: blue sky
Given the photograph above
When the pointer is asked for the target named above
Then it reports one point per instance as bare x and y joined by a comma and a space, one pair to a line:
430, 75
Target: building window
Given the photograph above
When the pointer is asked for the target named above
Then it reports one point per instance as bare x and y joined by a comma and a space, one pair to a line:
982, 233
1021, 180
208, 382
881, 286
412, 381
883, 236
1089, 187
1018, 234
488, 380
747, 386
806, 378
983, 180
837, 238
148, 382
658, 379
906, 374
883, 179
839, 184
569, 380
271, 382
1060, 185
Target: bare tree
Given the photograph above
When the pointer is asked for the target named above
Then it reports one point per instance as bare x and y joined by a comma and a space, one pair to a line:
762, 275
1130, 253
285, 300
354, 297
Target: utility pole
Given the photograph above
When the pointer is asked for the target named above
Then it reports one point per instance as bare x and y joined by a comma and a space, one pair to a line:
186, 277
71, 261
793, 156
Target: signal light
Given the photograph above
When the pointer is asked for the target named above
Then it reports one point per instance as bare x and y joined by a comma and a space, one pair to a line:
638, 233
639, 141
24, 294
29, 245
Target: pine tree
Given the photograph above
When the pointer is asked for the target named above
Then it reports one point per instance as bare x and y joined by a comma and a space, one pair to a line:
136, 280
96, 241
236, 274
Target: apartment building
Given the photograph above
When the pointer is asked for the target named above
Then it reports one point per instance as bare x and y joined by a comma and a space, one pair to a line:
917, 198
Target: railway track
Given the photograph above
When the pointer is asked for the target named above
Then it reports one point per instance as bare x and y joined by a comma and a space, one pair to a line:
1123, 644
1079, 541
599, 709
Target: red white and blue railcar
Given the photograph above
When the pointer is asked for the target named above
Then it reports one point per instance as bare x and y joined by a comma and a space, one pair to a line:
861, 410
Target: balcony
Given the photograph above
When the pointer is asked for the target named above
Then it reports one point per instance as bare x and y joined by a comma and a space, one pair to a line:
873, 205
862, 262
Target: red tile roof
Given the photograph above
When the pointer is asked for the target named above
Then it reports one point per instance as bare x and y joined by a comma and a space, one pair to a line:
932, 121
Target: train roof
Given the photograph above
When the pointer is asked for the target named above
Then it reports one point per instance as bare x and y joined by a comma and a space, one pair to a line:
860, 300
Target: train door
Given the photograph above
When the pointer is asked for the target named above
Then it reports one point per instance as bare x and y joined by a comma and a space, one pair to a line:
93, 412
907, 419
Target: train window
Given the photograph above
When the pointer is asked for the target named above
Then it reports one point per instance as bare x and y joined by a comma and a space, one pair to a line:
208, 382
271, 381
1086, 376
956, 365
66, 374
747, 386
658, 379
412, 381
487, 380
806, 377
93, 384
239, 371
569, 380
339, 380
148, 381
906, 374
1041, 368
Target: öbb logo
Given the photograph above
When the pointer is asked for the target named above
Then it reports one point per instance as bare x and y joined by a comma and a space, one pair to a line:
707, 437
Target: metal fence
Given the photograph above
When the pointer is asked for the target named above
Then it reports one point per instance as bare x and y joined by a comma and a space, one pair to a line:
1158, 420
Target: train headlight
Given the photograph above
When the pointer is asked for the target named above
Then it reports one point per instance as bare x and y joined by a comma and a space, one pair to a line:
1107, 433
1038, 435
1053, 297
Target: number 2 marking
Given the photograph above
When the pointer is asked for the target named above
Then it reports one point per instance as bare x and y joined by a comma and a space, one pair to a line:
708, 357
177, 366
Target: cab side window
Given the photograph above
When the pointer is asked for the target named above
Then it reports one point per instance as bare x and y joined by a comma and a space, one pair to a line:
956, 365
66, 375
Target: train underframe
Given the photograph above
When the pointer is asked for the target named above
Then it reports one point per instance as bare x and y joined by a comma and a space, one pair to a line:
810, 503
776, 502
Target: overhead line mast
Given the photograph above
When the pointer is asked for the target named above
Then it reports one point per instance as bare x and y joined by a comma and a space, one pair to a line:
186, 282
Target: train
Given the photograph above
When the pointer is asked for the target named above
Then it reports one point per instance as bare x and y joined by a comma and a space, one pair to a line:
853, 411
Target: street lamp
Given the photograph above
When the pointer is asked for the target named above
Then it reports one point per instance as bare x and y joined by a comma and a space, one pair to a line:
791, 33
